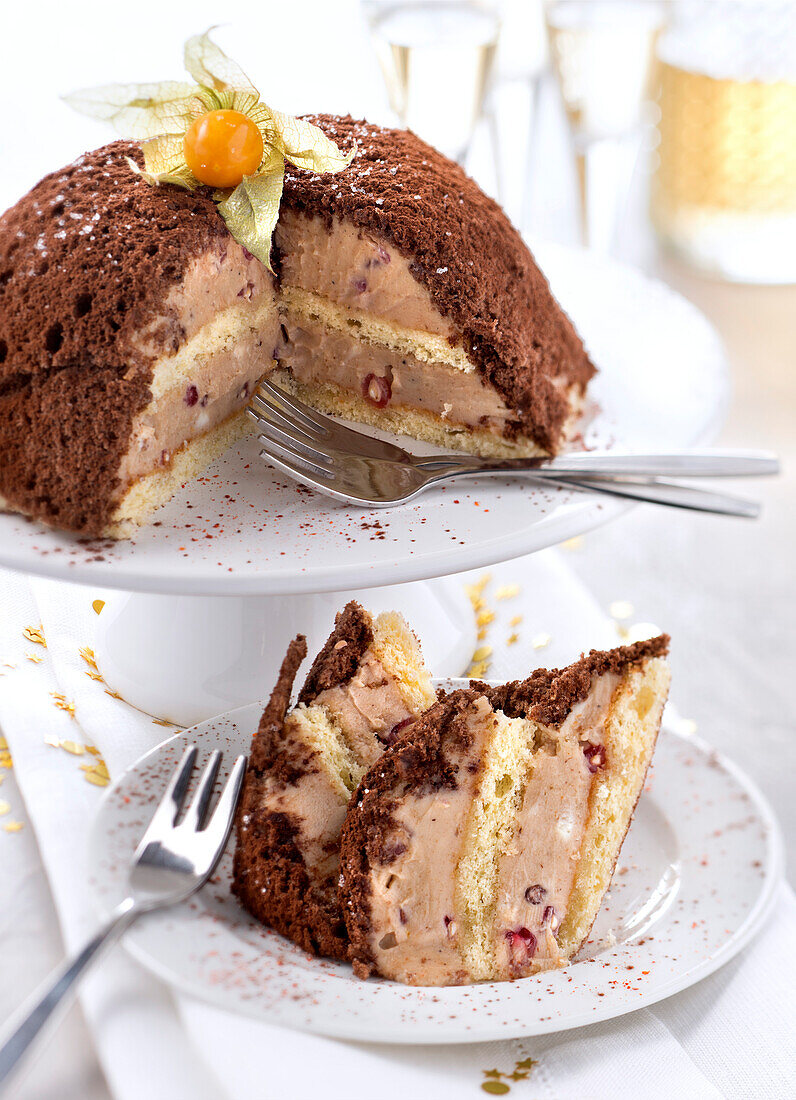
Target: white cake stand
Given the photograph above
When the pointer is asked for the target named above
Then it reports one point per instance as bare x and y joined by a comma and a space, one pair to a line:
200, 606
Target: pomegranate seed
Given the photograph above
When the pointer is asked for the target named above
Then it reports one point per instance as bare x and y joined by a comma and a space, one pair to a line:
381, 257
191, 396
377, 390
360, 286
246, 291
595, 756
394, 733
522, 946
450, 926
549, 917
534, 894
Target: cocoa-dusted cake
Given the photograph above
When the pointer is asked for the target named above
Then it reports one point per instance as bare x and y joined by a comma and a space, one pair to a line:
133, 326
364, 687
481, 844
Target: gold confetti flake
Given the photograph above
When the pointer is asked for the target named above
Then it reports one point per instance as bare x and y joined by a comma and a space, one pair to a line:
72, 747
161, 722
100, 769
114, 695
92, 749
5, 760
478, 671
482, 653
541, 641
88, 656
515, 620
3, 744
97, 605
96, 779
32, 657
7, 664
35, 634
573, 543
526, 1063
482, 634
63, 703
13, 826
512, 639
95, 676
621, 609
476, 591
5, 808
507, 591
484, 618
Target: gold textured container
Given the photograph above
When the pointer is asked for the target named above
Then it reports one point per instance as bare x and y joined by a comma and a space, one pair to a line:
724, 192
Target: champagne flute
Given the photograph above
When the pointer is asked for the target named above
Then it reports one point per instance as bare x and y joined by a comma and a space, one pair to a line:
437, 58
603, 54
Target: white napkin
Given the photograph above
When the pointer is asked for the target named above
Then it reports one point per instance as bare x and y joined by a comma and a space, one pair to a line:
729, 1036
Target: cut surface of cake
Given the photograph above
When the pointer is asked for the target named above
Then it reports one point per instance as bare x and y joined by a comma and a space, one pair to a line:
480, 847
410, 302
366, 685
134, 327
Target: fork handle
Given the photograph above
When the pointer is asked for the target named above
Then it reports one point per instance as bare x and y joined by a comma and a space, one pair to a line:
46, 1004
725, 463
663, 492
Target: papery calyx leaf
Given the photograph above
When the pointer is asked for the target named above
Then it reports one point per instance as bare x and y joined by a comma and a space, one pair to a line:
305, 145
139, 110
210, 66
164, 162
252, 209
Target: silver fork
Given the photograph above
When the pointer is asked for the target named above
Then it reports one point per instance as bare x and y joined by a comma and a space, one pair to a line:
172, 861
356, 468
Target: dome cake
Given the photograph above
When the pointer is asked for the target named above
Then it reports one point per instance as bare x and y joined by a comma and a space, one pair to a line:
134, 326
366, 685
480, 845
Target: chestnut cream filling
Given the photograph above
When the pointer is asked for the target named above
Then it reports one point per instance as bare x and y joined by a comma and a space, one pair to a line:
209, 378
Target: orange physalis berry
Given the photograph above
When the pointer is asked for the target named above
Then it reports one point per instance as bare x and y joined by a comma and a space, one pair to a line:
222, 147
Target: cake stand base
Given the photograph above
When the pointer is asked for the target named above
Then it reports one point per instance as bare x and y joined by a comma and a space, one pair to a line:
189, 658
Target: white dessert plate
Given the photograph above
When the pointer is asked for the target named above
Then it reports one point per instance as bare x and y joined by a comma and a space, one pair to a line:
695, 880
244, 529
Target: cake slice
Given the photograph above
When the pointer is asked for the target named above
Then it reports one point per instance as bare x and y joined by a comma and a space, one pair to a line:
480, 847
365, 686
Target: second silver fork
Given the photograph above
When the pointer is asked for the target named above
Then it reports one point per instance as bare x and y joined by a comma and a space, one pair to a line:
358, 469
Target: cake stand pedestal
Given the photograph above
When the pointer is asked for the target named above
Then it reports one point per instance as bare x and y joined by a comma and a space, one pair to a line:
205, 600
188, 658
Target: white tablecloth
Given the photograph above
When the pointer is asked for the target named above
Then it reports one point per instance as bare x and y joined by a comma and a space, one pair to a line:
732, 1035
